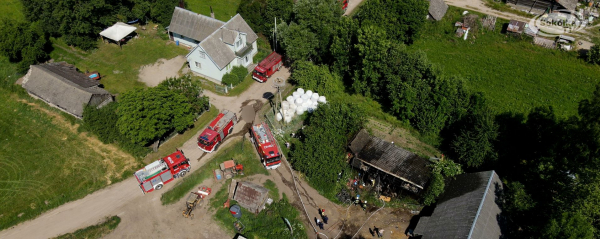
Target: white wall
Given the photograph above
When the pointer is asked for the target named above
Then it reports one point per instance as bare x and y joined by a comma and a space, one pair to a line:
184, 40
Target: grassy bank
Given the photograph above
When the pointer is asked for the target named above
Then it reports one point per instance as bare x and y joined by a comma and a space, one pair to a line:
45, 162
12, 9
176, 142
514, 74
239, 150
95, 231
118, 67
223, 9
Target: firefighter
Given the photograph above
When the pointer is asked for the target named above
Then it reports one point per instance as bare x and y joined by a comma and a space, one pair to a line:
325, 218
320, 224
377, 231
364, 205
357, 200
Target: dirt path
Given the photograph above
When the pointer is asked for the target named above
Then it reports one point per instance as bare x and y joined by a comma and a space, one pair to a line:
352, 4
142, 214
153, 74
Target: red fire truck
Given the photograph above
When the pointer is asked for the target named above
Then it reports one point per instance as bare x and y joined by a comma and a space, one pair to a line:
267, 67
344, 4
216, 131
266, 146
155, 175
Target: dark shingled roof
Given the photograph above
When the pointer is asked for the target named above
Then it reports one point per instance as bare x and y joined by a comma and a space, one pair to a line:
568, 4
467, 209
390, 159
250, 196
61, 85
437, 9
193, 25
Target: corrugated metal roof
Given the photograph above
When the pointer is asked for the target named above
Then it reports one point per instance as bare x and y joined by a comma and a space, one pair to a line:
250, 196
467, 209
62, 85
391, 159
437, 9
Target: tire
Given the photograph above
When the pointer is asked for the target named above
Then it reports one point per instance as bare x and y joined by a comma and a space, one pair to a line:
182, 174
158, 187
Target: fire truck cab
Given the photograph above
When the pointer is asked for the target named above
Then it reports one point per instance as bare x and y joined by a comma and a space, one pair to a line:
266, 146
216, 131
267, 67
162, 171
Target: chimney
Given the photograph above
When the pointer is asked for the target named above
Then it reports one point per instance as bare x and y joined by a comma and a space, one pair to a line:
212, 14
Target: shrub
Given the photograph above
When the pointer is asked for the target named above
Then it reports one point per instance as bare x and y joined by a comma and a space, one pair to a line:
230, 79
241, 72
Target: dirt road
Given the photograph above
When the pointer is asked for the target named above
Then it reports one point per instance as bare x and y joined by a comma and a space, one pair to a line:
142, 214
352, 4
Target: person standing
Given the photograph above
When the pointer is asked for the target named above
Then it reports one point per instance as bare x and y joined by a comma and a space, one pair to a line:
320, 225
324, 216
377, 231
364, 205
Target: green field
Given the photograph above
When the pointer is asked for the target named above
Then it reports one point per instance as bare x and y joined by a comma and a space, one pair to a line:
223, 9
119, 68
95, 231
12, 9
241, 151
45, 162
514, 74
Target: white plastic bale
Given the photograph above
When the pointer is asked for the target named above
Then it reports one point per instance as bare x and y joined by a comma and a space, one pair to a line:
299, 101
322, 99
293, 106
278, 117
309, 93
300, 110
300, 91
290, 98
285, 107
314, 100
315, 105
314, 96
296, 94
288, 119
305, 97
306, 104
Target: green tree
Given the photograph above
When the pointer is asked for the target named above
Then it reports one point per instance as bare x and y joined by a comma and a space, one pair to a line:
162, 11
334, 123
593, 55
321, 18
569, 226
230, 79
298, 42
342, 50
189, 88
441, 169
23, 42
280, 9
253, 12
241, 72
148, 114
403, 20
318, 78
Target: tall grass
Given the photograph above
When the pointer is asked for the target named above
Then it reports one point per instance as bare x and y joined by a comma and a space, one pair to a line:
12, 10
514, 74
241, 151
93, 232
45, 162
223, 9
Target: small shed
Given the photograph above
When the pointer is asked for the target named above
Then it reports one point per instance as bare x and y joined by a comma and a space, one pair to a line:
372, 152
516, 27
437, 9
250, 196
543, 42
117, 32
565, 39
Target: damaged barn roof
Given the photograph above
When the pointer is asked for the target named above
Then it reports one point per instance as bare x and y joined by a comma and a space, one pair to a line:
391, 159
250, 196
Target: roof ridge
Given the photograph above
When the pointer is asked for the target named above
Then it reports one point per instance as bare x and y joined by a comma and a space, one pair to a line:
481, 203
58, 76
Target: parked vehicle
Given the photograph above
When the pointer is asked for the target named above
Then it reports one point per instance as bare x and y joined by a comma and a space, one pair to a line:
266, 146
162, 171
216, 131
267, 67
344, 4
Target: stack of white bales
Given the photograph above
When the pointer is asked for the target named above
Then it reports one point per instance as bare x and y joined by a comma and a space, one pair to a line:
299, 102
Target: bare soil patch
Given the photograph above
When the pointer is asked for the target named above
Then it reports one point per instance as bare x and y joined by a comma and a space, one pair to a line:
155, 73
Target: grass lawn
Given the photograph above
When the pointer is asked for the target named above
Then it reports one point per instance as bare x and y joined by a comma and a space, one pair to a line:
12, 9
514, 74
119, 68
241, 154
172, 144
223, 9
45, 162
95, 231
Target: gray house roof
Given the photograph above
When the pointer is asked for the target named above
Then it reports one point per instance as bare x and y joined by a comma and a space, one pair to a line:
568, 4
250, 196
437, 9
215, 45
61, 85
467, 209
193, 25
391, 159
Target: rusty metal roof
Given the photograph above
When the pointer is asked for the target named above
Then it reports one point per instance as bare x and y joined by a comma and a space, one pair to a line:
391, 159
250, 196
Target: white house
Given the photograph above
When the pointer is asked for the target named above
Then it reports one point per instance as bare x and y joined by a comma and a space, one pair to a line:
217, 46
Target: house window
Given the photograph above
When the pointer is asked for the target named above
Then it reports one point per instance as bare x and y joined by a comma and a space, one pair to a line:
246, 59
198, 65
202, 55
